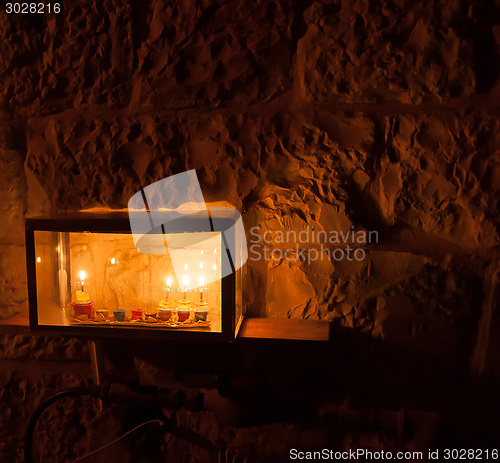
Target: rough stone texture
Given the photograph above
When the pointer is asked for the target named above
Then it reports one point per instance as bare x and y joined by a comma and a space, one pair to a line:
33, 369
374, 51
337, 115
13, 279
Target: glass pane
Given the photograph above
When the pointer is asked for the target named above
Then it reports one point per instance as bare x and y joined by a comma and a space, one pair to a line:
101, 280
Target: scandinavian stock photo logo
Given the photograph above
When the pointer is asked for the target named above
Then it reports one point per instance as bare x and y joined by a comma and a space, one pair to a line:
309, 245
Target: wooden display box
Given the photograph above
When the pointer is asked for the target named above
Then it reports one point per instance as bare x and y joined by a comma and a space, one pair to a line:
87, 276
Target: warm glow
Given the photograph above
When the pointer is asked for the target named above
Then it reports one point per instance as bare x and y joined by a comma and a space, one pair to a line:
169, 282
82, 276
215, 251
201, 265
185, 266
215, 266
39, 259
113, 261
202, 282
186, 281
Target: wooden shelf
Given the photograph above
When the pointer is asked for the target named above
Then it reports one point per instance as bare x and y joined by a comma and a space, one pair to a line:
289, 329
251, 328
18, 324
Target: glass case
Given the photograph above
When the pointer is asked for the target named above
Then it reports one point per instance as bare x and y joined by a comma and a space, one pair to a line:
89, 274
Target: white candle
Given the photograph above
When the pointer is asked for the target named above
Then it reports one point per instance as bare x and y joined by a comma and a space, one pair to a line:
202, 284
185, 281
168, 288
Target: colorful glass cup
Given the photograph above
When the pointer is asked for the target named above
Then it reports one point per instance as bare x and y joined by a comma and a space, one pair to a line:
82, 309
103, 312
165, 313
137, 314
119, 315
150, 313
183, 313
201, 312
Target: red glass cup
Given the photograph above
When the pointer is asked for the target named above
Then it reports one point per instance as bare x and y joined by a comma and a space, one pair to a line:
183, 314
82, 309
137, 314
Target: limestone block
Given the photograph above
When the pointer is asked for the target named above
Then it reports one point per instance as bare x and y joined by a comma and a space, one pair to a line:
437, 181
289, 291
146, 55
400, 51
13, 287
13, 197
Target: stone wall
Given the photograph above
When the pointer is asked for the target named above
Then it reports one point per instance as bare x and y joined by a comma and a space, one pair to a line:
339, 115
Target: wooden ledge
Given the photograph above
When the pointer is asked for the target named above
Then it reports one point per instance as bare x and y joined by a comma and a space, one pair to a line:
18, 324
290, 329
251, 328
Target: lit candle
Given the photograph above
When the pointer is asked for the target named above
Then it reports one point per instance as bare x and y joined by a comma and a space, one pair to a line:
215, 266
82, 279
168, 288
39, 259
202, 284
185, 281
113, 261
201, 265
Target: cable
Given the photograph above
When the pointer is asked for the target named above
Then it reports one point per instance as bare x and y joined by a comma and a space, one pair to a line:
230, 456
28, 438
99, 392
116, 440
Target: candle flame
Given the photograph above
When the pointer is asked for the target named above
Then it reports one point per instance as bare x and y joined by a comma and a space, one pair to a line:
202, 282
185, 266
39, 259
82, 276
215, 251
186, 281
113, 261
169, 282
215, 266
201, 265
